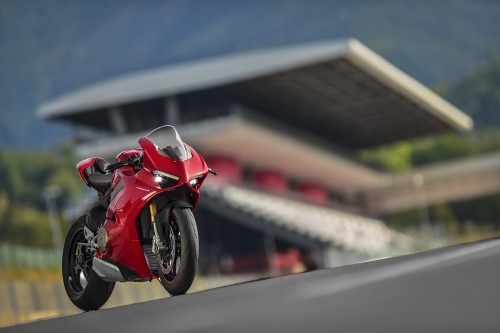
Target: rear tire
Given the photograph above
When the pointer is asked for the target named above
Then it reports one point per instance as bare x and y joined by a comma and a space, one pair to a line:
179, 279
84, 287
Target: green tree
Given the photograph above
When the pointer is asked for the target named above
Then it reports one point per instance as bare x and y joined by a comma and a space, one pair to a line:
25, 174
396, 157
478, 95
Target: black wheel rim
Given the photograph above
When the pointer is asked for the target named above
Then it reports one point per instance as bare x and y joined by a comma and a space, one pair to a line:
79, 263
171, 258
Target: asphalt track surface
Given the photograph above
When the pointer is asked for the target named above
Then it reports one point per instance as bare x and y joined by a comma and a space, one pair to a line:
455, 289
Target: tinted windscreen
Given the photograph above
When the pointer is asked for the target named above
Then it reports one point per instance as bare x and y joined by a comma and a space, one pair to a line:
168, 143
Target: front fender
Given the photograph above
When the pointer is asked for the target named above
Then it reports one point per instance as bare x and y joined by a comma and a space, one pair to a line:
164, 213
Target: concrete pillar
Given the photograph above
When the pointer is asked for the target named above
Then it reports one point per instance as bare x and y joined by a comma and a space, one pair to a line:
117, 120
171, 111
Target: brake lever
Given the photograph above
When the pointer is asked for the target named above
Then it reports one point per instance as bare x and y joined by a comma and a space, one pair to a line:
129, 161
212, 172
137, 159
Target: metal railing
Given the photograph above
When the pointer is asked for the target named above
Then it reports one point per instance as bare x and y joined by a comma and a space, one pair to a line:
28, 257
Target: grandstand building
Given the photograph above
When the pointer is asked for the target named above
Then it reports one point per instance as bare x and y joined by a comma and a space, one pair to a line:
281, 127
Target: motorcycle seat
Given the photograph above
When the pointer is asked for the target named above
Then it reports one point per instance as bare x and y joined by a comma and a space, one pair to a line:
101, 182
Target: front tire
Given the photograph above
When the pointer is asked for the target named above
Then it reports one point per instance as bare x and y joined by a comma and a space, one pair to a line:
83, 286
177, 267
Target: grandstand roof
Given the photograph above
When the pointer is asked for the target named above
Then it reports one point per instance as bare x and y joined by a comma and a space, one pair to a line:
340, 90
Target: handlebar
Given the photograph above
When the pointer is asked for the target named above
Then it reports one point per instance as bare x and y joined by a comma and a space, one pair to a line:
129, 161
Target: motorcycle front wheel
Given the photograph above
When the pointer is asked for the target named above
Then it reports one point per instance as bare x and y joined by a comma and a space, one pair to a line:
178, 264
83, 286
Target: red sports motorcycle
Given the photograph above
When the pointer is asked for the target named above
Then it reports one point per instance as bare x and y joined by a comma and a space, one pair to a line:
143, 227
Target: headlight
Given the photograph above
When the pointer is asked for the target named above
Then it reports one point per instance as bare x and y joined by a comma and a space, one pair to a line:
196, 181
165, 179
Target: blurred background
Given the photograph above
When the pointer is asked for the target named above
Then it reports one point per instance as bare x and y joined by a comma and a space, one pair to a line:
342, 131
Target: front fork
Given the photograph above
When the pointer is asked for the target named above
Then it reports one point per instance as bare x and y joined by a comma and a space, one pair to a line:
153, 209
158, 244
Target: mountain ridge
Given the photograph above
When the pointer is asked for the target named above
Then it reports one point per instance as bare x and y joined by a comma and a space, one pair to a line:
49, 48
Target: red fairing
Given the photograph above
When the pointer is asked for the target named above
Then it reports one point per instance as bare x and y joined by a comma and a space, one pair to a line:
124, 245
82, 165
185, 170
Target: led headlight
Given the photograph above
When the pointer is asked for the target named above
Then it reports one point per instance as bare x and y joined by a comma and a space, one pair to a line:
196, 181
165, 179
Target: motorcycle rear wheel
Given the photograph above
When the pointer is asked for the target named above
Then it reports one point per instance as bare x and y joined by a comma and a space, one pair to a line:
177, 271
84, 287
